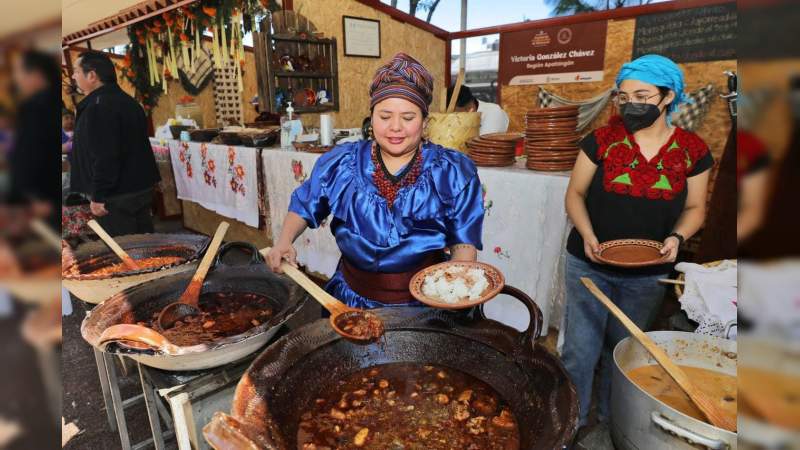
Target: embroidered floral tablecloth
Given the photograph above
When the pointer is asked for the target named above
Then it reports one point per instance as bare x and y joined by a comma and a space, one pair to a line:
524, 233
221, 178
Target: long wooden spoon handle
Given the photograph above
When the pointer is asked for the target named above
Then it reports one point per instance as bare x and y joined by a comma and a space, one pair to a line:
697, 396
192, 293
45, 232
330, 303
459, 81
111, 243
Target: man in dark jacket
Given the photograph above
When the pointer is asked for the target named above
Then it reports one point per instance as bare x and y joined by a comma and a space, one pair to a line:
112, 161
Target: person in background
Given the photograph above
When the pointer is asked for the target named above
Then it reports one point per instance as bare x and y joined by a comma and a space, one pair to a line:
67, 130
112, 162
493, 118
33, 165
396, 201
637, 177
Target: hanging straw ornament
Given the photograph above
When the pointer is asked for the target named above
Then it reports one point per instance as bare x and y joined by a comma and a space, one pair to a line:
236, 45
215, 48
224, 49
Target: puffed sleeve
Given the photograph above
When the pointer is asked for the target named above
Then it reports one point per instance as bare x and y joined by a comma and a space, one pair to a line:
311, 199
465, 221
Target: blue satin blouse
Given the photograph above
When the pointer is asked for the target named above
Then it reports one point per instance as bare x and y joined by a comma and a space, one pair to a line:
444, 207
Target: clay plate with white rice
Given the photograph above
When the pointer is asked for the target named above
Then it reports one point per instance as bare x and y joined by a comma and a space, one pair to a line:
456, 285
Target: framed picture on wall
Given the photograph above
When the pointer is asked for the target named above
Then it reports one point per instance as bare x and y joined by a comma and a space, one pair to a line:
362, 37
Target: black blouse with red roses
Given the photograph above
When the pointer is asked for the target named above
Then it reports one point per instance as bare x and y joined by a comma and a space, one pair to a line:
630, 197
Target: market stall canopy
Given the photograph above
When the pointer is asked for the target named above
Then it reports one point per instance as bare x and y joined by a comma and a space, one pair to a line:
92, 19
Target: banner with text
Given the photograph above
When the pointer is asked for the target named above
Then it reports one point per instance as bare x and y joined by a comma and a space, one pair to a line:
559, 54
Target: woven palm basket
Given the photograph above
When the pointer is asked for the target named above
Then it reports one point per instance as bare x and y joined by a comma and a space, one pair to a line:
453, 130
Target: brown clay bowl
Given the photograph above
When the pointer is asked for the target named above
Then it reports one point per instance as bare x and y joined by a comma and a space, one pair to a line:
554, 156
548, 166
556, 108
631, 252
491, 160
501, 137
553, 149
551, 115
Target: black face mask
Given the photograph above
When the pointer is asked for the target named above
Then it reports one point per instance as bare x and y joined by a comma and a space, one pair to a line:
638, 116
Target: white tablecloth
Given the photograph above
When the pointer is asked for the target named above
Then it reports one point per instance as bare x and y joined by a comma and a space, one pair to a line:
220, 178
524, 231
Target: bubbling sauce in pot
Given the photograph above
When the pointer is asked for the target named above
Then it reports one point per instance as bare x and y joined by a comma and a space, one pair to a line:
718, 386
222, 314
410, 407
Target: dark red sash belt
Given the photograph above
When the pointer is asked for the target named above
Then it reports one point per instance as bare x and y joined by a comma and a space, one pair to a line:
385, 287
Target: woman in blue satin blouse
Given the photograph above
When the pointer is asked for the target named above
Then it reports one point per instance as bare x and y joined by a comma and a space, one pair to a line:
397, 200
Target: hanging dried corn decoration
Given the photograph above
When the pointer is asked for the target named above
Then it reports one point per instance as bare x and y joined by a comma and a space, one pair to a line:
164, 68
237, 46
215, 47
197, 33
148, 53
187, 61
224, 48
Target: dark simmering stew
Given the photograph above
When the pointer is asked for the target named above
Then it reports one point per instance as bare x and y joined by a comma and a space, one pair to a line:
222, 315
360, 324
403, 406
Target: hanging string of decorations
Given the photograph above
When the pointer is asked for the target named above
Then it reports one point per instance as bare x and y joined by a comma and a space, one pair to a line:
161, 44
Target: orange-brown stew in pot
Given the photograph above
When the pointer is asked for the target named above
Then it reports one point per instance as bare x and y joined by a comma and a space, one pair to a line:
221, 315
404, 406
143, 263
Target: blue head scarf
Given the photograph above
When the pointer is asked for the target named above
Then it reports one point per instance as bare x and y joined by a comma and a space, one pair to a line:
659, 71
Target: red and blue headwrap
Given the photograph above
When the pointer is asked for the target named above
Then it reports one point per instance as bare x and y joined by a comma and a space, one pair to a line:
402, 77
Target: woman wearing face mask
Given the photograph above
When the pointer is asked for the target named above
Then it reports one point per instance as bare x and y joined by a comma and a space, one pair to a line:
637, 177
396, 200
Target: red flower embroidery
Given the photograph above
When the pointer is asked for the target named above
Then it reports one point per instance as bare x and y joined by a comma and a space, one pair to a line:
620, 188
498, 250
653, 194
645, 176
668, 173
621, 156
675, 159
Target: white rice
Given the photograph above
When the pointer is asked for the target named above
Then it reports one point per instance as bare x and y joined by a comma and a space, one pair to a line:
465, 284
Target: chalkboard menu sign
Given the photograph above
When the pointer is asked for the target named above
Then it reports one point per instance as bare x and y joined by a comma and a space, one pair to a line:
707, 33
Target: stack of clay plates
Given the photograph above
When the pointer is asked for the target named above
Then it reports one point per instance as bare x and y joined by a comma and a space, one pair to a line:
551, 138
493, 150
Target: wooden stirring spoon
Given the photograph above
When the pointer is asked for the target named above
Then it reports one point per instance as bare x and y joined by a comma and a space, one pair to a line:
111, 243
187, 303
343, 318
715, 416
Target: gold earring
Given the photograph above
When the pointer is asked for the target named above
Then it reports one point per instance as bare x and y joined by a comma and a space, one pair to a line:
370, 133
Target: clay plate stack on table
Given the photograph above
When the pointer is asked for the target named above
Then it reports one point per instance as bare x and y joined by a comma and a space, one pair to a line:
551, 138
493, 150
